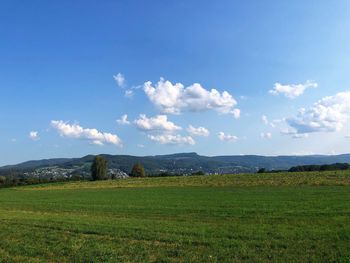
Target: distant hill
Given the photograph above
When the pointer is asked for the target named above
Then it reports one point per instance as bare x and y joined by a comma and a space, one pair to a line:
37, 164
183, 163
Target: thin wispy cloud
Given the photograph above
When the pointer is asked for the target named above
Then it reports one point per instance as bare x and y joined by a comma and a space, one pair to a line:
120, 80
294, 134
266, 135
265, 120
129, 94
272, 123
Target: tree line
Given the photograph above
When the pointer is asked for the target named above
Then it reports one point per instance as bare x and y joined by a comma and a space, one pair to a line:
99, 169
9, 181
323, 167
311, 168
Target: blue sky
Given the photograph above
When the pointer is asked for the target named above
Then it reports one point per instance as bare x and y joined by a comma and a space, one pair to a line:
280, 70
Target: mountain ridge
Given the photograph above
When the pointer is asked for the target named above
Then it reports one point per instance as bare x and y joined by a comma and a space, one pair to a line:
186, 162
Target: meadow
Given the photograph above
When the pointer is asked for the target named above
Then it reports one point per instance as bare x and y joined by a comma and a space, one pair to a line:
282, 217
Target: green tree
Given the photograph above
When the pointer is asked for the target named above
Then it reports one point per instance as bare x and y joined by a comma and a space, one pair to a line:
2, 180
198, 173
138, 171
99, 168
261, 171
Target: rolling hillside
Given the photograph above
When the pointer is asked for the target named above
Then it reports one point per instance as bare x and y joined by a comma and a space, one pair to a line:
185, 163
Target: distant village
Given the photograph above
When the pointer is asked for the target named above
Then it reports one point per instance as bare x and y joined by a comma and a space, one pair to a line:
55, 172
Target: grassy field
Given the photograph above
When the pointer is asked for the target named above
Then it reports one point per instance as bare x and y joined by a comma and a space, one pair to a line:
301, 217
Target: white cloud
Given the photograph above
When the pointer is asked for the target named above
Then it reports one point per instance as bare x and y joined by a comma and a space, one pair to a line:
119, 79
129, 93
227, 137
236, 113
34, 135
304, 153
300, 135
294, 134
175, 98
159, 122
327, 115
265, 120
99, 143
141, 146
276, 122
123, 120
172, 139
292, 91
200, 131
93, 135
266, 135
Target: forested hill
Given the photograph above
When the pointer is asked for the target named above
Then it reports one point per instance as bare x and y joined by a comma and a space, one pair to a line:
187, 162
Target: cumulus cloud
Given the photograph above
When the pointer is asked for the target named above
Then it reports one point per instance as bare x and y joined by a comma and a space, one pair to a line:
199, 131
119, 79
175, 98
227, 137
123, 120
157, 123
292, 91
327, 115
266, 135
172, 139
92, 135
34, 135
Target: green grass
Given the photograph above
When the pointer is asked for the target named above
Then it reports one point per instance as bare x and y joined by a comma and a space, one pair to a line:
254, 218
